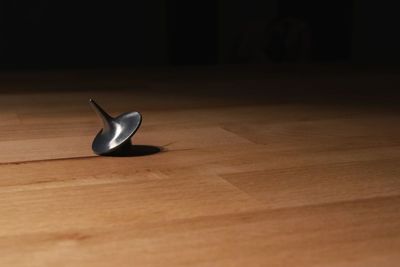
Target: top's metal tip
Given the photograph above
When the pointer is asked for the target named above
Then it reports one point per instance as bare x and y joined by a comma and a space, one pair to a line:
106, 118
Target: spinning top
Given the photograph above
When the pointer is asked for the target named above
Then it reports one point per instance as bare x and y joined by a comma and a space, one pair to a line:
116, 133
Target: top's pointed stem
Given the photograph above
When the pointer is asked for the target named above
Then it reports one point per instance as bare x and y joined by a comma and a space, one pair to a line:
102, 114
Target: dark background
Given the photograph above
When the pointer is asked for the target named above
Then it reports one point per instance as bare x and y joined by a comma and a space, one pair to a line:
79, 34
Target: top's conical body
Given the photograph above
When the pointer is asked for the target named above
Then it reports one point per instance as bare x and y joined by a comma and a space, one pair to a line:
116, 132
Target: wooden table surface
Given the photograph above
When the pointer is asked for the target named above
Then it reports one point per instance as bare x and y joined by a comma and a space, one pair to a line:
257, 168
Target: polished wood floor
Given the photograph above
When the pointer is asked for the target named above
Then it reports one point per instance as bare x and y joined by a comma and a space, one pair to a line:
257, 168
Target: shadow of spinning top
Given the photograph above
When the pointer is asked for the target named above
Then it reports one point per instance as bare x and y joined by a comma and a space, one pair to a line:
116, 133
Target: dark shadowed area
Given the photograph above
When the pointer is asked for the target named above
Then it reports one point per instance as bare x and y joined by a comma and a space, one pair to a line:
83, 34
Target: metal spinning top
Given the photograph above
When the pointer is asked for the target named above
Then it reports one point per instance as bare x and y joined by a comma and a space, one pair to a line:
117, 132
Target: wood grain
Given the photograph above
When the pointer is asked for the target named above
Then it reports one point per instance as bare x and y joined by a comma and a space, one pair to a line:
248, 175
